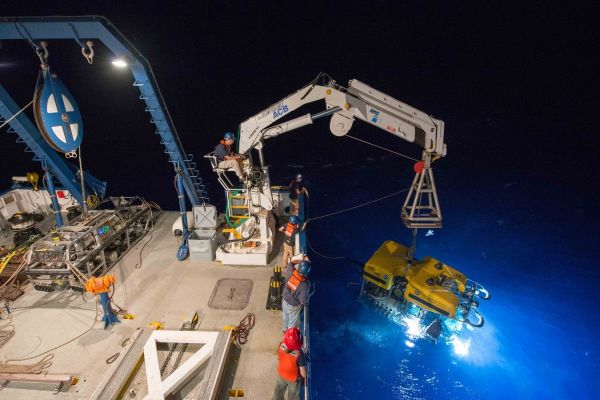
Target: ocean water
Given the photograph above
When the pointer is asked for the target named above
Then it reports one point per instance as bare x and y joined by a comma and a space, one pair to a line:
532, 244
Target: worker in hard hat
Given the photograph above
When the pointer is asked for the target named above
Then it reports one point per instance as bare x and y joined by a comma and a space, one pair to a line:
296, 189
290, 231
295, 292
291, 369
227, 158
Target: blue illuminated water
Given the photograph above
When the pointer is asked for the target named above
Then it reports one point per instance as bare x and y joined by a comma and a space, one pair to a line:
531, 243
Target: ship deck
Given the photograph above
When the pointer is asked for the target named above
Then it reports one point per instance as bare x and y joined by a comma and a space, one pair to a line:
160, 288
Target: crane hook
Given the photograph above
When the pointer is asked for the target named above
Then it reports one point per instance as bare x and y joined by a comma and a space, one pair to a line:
88, 52
42, 53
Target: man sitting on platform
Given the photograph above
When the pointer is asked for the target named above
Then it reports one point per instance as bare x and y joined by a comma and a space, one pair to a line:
226, 157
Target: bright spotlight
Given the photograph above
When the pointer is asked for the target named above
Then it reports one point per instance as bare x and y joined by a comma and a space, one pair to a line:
413, 326
119, 63
461, 347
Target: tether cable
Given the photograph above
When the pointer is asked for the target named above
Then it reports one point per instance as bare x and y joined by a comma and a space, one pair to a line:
357, 206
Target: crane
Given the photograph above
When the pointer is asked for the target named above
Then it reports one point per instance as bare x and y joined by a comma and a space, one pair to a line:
421, 208
426, 296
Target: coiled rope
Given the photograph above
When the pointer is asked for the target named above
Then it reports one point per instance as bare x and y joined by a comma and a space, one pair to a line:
241, 332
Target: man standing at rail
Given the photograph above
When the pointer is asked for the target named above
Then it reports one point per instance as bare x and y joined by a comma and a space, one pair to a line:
296, 189
295, 291
291, 370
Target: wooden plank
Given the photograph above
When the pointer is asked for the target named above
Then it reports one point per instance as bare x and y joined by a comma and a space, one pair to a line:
50, 378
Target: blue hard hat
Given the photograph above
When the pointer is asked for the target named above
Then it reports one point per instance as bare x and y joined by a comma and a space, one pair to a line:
304, 268
229, 136
294, 220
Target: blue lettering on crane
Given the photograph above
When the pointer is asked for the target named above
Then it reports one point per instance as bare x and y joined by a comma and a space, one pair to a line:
279, 111
375, 115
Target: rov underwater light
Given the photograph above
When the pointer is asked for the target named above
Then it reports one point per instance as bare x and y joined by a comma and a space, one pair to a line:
461, 347
413, 326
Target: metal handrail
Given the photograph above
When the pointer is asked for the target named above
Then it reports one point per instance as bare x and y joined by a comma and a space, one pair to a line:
305, 316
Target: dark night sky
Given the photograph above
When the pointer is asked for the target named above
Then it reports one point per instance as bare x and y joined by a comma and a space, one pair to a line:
512, 82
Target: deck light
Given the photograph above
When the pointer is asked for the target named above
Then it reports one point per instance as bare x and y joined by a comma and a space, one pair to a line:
119, 63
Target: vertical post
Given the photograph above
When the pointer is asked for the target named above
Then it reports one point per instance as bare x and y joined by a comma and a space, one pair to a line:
261, 156
55, 206
83, 197
109, 317
182, 251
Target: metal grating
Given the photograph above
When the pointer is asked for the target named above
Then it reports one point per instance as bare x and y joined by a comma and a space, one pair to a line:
231, 294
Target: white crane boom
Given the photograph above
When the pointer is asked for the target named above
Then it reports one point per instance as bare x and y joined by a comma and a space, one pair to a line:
344, 105
421, 209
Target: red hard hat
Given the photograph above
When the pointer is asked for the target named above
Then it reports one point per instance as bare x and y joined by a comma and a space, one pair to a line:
292, 338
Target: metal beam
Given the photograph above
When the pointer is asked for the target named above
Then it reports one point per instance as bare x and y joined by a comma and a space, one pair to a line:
100, 28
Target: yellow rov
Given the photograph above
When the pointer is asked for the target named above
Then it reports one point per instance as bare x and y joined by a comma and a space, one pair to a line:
394, 281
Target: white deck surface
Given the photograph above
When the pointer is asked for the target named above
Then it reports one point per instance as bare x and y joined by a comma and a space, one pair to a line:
164, 290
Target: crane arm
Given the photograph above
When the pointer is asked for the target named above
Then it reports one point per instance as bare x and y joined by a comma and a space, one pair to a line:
344, 105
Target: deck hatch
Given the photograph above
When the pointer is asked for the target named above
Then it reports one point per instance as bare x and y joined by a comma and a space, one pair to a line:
231, 294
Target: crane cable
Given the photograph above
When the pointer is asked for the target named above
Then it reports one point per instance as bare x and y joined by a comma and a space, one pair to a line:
15, 115
383, 148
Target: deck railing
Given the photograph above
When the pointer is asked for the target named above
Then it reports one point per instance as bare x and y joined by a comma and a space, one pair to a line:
305, 316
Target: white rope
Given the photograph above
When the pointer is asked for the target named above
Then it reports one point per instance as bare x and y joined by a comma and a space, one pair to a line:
16, 115
382, 148
358, 206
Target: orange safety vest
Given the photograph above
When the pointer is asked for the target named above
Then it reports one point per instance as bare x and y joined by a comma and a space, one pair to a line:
288, 364
100, 284
289, 232
295, 281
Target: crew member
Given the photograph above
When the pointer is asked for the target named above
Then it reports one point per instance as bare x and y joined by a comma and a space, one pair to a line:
289, 241
295, 291
296, 189
227, 158
291, 370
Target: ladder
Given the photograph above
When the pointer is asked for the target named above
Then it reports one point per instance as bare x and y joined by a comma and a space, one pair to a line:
238, 205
